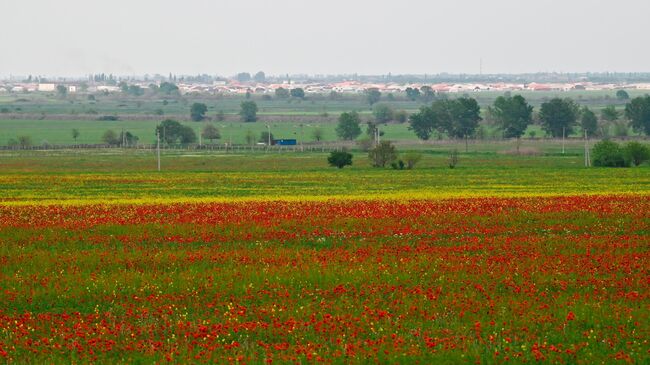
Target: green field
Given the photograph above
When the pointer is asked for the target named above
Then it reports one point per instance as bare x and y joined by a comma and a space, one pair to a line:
275, 255
115, 104
59, 132
47, 119
127, 174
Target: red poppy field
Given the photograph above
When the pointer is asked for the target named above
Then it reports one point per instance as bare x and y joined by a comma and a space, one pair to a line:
488, 280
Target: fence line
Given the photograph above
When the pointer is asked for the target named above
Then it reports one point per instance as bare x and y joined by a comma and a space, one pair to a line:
307, 147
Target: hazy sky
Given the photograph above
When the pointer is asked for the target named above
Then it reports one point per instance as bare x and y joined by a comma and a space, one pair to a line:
77, 37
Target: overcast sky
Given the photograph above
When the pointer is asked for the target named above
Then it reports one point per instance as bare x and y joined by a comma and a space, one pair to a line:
129, 37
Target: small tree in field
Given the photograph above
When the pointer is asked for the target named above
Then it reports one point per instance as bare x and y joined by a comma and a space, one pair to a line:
110, 137
197, 111
75, 134
384, 153
453, 158
318, 134
411, 159
373, 95
248, 112
608, 154
24, 141
340, 159
636, 153
348, 128
249, 137
210, 132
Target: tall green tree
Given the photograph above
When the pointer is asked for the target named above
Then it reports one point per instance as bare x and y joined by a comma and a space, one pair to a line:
559, 116
622, 95
197, 111
637, 111
248, 112
434, 118
171, 131
348, 128
465, 115
427, 94
412, 93
589, 121
610, 114
281, 93
512, 115
62, 90
373, 95
297, 93
383, 113
167, 88
210, 132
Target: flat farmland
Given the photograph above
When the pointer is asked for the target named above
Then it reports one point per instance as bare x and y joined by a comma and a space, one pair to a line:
277, 258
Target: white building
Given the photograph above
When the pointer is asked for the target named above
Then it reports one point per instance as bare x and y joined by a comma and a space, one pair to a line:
46, 87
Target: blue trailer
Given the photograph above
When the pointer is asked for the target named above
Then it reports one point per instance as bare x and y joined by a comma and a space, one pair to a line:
285, 142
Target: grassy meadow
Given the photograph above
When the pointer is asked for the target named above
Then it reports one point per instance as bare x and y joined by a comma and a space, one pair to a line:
276, 257
273, 256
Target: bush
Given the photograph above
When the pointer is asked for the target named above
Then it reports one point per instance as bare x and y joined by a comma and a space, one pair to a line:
399, 165
411, 159
340, 159
197, 111
383, 153
453, 158
636, 153
25, 141
608, 154
108, 118
110, 137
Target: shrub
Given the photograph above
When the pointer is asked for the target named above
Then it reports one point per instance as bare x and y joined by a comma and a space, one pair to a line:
411, 159
636, 153
608, 154
399, 165
383, 153
453, 158
110, 137
109, 118
25, 141
340, 159
197, 111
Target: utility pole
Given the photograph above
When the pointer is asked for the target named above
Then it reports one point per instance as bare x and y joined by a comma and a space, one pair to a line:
269, 135
563, 134
302, 147
158, 147
587, 156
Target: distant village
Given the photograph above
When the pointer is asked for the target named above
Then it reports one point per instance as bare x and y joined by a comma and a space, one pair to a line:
235, 86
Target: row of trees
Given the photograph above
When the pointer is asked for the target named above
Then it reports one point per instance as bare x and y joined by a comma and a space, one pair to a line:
459, 118
248, 111
382, 155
